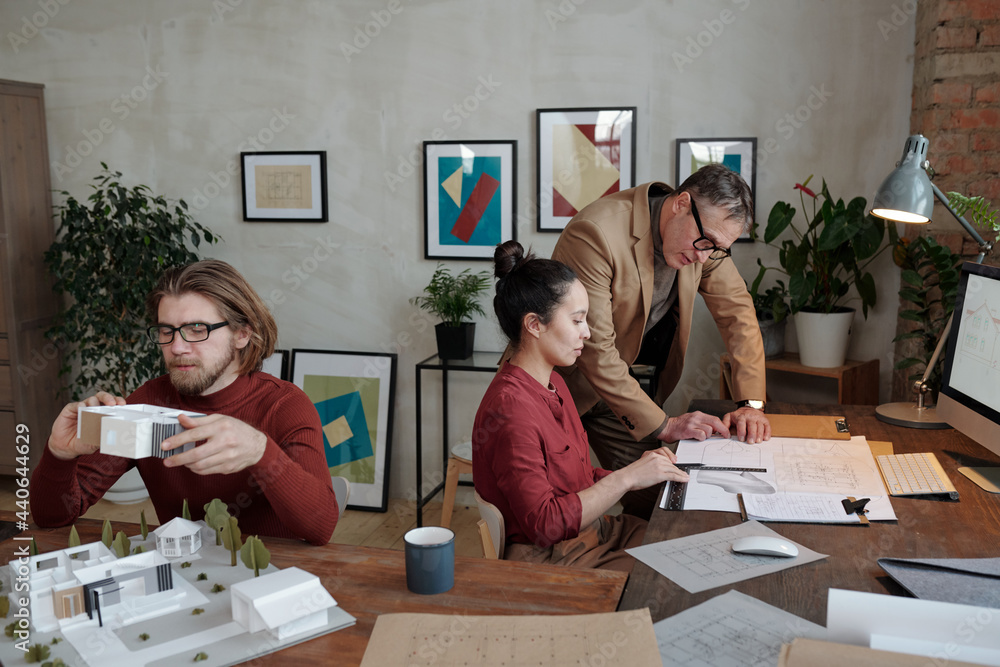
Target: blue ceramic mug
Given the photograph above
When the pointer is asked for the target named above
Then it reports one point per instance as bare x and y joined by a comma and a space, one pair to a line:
430, 560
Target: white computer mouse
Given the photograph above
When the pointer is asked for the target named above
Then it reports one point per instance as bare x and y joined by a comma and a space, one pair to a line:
763, 545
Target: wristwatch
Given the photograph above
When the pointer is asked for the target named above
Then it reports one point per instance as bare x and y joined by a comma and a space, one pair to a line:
750, 403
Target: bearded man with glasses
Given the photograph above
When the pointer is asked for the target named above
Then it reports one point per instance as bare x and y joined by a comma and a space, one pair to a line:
259, 447
643, 255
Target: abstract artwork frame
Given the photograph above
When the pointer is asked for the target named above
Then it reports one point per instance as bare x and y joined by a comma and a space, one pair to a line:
284, 186
354, 394
737, 153
470, 190
277, 364
583, 154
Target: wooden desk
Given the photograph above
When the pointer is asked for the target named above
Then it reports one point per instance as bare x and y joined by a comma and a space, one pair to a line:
969, 528
367, 582
857, 381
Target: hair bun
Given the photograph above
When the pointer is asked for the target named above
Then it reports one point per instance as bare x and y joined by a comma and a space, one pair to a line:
507, 257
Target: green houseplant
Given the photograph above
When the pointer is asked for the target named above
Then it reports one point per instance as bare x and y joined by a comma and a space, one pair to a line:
454, 298
929, 283
771, 307
823, 261
108, 255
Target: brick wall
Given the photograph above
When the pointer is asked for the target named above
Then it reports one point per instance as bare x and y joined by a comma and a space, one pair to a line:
956, 105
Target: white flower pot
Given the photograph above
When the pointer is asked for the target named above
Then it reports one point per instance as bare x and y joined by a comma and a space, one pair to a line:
823, 338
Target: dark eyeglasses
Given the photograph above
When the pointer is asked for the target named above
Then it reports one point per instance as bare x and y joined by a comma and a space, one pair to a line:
703, 243
163, 334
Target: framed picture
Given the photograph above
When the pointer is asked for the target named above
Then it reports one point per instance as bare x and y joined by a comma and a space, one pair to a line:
354, 393
583, 154
284, 187
469, 192
277, 365
739, 154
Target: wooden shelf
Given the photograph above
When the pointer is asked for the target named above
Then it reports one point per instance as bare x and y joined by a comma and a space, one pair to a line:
857, 381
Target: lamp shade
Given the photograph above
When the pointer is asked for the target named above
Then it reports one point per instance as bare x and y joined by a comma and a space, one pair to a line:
906, 195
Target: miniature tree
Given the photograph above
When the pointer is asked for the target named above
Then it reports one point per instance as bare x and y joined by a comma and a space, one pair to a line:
143, 527
231, 538
217, 516
106, 534
138, 549
37, 653
121, 545
255, 555
4, 606
186, 511
33, 547
74, 537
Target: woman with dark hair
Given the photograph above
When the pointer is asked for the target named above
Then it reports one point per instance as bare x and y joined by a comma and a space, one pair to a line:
530, 453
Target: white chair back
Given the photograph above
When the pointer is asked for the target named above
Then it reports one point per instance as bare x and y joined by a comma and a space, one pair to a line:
494, 524
342, 490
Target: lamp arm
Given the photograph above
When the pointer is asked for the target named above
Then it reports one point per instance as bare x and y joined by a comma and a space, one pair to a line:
984, 247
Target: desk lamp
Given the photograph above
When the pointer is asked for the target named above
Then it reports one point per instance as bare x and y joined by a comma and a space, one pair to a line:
907, 195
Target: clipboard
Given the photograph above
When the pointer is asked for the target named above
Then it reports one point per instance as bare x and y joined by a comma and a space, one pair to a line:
809, 426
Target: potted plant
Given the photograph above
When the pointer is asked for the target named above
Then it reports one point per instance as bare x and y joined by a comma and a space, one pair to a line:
107, 256
771, 307
454, 298
823, 262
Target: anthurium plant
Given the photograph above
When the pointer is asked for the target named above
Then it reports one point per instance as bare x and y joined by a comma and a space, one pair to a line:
828, 254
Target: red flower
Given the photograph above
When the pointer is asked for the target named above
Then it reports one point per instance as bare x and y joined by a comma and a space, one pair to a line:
799, 186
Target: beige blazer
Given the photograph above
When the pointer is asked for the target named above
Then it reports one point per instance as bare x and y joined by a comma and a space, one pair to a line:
610, 246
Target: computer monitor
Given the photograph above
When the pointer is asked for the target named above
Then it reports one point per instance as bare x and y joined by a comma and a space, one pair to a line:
970, 391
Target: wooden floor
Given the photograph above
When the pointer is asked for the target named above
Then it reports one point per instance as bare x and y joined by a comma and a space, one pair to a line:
370, 529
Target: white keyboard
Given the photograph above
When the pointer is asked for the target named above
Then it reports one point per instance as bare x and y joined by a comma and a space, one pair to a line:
915, 474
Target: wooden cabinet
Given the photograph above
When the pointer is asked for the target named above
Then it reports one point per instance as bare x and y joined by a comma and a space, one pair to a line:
29, 363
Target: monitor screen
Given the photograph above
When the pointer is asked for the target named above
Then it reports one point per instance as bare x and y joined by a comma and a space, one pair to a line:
970, 389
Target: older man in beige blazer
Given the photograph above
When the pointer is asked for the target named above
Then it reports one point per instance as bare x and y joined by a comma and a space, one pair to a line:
642, 280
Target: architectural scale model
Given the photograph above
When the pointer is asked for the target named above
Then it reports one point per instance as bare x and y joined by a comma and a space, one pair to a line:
131, 431
149, 607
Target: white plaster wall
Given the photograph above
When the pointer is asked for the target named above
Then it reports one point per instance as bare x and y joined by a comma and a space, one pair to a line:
170, 92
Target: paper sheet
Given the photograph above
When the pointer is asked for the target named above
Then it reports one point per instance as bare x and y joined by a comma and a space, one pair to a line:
421, 640
730, 630
699, 562
809, 507
791, 465
938, 630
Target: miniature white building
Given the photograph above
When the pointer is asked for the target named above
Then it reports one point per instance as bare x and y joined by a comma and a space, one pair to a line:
131, 431
178, 537
285, 603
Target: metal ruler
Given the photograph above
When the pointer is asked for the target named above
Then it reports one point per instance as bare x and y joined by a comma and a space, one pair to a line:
675, 491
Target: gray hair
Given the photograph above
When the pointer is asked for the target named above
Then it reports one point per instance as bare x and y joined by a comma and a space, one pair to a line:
724, 188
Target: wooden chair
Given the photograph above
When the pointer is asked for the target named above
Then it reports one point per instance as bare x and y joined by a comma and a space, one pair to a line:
342, 490
491, 529
460, 462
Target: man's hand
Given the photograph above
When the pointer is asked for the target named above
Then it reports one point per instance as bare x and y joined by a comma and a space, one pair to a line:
751, 425
693, 426
653, 467
63, 442
229, 445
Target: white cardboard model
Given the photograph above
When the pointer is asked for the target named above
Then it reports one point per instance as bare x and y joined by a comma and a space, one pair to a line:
146, 610
131, 431
285, 603
178, 537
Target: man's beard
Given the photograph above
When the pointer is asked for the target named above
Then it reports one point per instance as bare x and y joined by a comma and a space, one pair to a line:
194, 383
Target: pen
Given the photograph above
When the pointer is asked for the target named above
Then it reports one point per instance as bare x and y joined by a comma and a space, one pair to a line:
743, 508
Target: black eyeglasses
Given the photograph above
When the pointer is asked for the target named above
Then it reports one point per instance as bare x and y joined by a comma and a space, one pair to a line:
703, 243
163, 334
